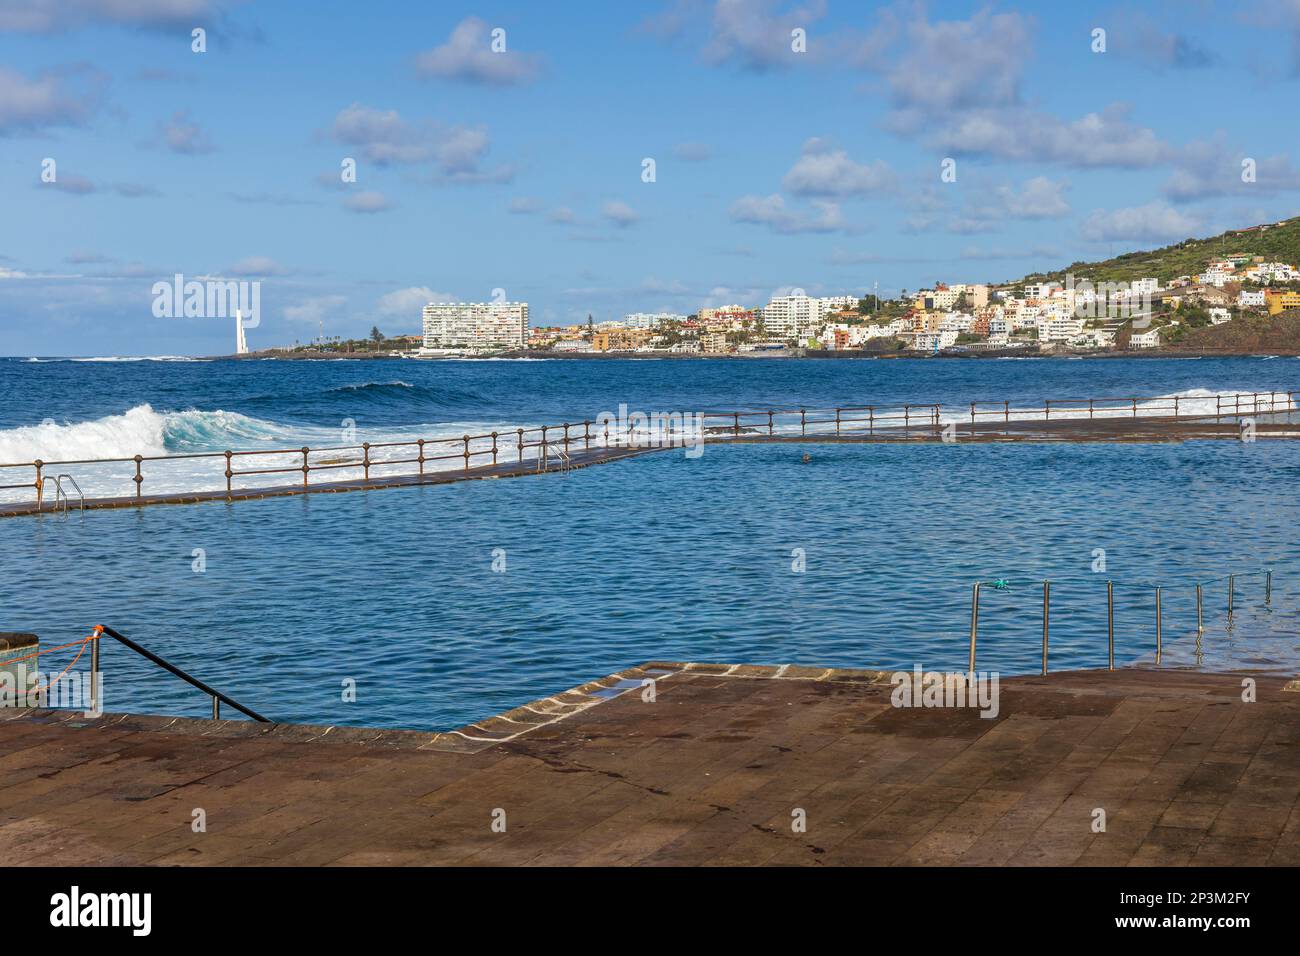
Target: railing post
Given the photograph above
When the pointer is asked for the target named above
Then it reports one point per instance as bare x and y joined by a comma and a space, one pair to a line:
465, 439
95, 701
216, 708
871, 419
365, 460
1090, 409
974, 623
771, 428
1135, 406
139, 478
1047, 408
1175, 408
494, 449
803, 421
1158, 625
586, 435
735, 426
566, 438
1268, 586
1232, 592
837, 422
1200, 620
40, 485
520, 433
1110, 624
305, 465
1047, 614
907, 418
229, 473
972, 413
420, 458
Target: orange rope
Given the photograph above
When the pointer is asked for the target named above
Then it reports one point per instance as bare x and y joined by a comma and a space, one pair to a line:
98, 631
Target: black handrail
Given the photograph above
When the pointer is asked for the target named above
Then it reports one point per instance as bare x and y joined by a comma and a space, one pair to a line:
216, 695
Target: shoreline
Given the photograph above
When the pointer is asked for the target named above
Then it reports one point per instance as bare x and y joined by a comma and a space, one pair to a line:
787, 354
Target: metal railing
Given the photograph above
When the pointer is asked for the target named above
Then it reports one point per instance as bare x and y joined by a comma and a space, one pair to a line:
1158, 608
415, 458
218, 698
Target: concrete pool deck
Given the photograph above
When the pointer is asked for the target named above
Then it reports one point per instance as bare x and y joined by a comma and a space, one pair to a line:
712, 771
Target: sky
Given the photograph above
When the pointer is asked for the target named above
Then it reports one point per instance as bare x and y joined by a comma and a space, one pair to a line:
606, 158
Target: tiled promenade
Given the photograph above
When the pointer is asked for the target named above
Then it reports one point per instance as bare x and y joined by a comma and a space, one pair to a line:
713, 771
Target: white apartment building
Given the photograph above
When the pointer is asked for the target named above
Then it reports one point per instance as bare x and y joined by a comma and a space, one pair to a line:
1220, 316
794, 316
1250, 300
1058, 328
1272, 272
650, 320
475, 325
1144, 340
1144, 286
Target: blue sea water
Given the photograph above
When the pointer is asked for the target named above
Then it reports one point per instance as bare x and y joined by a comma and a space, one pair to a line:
659, 557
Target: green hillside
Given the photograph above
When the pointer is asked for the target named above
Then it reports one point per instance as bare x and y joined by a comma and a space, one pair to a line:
1279, 242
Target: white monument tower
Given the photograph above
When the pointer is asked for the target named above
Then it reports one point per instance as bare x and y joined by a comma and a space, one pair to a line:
241, 344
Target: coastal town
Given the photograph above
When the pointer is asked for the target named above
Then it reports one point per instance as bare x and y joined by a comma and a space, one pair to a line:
1042, 315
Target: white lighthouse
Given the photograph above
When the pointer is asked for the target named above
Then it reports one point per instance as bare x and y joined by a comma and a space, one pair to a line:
241, 343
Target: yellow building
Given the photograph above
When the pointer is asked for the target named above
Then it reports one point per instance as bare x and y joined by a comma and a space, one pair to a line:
620, 340
1281, 299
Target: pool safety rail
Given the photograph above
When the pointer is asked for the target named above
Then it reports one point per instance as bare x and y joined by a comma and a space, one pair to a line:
1157, 591
255, 472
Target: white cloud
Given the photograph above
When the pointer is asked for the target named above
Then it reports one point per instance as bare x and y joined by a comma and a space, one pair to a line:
45, 100
411, 300
755, 34
822, 171
1153, 222
51, 16
619, 213
181, 135
314, 309
771, 211
385, 139
468, 56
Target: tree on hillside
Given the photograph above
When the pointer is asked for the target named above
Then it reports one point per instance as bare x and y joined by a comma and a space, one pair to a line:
375, 335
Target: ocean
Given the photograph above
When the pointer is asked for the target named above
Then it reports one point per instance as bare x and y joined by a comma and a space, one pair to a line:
446, 604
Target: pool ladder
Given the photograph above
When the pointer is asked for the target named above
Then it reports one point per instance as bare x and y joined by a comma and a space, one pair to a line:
544, 458
61, 498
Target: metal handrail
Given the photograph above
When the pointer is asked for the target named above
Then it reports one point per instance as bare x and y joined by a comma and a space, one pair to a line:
217, 697
843, 420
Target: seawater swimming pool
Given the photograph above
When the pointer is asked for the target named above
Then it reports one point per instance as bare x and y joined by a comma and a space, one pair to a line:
671, 558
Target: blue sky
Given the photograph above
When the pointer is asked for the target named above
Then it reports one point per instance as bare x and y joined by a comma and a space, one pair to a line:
522, 170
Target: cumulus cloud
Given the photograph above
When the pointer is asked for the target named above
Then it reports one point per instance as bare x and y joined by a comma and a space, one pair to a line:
619, 213
50, 99
53, 16
1153, 222
315, 309
772, 212
410, 300
385, 139
1212, 169
956, 86
756, 34
468, 57
182, 135
823, 171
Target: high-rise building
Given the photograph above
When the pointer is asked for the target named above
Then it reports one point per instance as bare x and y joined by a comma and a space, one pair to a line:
475, 325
